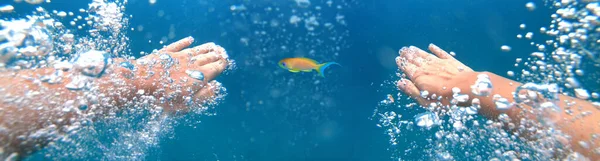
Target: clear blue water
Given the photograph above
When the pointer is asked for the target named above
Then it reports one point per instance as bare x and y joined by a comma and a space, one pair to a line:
332, 119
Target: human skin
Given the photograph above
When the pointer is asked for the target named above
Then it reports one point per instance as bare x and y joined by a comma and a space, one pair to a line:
439, 72
29, 107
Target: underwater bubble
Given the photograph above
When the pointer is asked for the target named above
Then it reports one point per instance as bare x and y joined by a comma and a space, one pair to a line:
584, 144
7, 8
294, 20
455, 90
530, 6
529, 35
427, 120
581, 93
504, 118
475, 106
127, 65
53, 78
510, 155
303, 3
165, 57
77, 82
505, 48
439, 134
195, 74
424, 94
458, 126
476, 102
579, 72
471, 110
63, 65
510, 73
483, 85
572, 82
167, 60
501, 103
549, 91
575, 156
34, 1
461, 98
62, 14
311, 23
24, 37
92, 63
548, 105
237, 8
538, 55
444, 156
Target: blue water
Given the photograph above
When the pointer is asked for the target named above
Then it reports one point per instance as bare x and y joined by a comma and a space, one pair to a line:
332, 119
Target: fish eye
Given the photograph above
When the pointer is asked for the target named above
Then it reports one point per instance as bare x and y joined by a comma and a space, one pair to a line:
283, 64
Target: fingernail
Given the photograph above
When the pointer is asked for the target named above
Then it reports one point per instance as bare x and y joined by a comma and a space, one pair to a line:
413, 48
190, 38
402, 50
433, 46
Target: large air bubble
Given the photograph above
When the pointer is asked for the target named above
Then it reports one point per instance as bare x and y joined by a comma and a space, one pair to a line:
92, 63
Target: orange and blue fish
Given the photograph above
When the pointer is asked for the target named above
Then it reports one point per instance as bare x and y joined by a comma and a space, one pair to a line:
304, 65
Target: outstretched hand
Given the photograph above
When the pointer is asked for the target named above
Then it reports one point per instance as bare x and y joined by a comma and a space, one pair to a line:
435, 73
182, 76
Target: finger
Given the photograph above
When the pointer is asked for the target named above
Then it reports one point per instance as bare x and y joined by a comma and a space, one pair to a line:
209, 91
407, 53
200, 49
408, 87
400, 61
421, 53
411, 70
418, 61
415, 55
214, 69
439, 52
204, 59
179, 45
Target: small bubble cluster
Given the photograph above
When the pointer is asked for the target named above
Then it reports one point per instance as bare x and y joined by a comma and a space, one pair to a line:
483, 85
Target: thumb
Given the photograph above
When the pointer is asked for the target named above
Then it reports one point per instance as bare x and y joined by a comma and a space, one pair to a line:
409, 88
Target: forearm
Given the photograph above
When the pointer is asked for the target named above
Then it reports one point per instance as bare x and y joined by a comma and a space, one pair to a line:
581, 124
34, 110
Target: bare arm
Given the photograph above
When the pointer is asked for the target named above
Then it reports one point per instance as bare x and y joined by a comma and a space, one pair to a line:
35, 110
580, 125
441, 73
32, 112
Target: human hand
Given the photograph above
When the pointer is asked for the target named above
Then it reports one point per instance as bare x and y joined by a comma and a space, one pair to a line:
435, 74
180, 77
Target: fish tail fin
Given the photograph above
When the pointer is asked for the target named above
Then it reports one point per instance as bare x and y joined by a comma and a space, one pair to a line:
321, 68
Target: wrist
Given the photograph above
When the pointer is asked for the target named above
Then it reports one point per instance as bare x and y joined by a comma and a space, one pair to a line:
461, 82
466, 86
